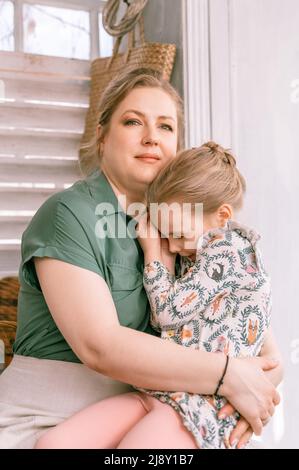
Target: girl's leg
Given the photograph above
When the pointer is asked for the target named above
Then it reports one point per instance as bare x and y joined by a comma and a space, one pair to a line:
99, 426
161, 428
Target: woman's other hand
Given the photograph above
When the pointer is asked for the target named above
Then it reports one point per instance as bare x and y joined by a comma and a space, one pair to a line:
249, 391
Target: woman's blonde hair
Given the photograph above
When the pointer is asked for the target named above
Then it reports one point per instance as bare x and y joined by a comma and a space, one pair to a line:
114, 94
207, 175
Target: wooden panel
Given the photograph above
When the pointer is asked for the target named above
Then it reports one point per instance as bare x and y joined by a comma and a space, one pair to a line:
59, 172
12, 228
41, 124
33, 132
68, 91
5, 274
50, 145
44, 66
24, 200
10, 260
44, 117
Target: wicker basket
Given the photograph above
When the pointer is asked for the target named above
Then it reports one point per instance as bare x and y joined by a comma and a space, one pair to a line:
9, 290
156, 56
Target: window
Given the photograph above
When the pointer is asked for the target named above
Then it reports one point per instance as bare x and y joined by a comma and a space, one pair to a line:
105, 40
55, 31
71, 29
6, 26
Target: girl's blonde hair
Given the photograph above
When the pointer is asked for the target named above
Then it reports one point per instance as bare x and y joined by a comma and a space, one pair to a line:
114, 94
207, 175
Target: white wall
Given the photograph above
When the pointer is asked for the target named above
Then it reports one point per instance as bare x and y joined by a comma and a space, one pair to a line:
252, 54
264, 64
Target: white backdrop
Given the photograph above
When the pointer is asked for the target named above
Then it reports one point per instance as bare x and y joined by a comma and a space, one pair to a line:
251, 48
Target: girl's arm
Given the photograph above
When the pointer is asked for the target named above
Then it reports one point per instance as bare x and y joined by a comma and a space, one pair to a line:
271, 350
173, 301
83, 309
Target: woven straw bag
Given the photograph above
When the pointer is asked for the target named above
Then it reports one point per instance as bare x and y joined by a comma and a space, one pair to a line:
156, 56
9, 290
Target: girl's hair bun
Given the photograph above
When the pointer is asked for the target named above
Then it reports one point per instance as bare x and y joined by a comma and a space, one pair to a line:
221, 153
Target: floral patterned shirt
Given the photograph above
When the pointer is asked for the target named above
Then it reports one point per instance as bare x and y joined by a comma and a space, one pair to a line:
221, 303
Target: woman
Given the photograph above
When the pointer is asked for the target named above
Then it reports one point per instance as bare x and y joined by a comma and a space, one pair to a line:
83, 330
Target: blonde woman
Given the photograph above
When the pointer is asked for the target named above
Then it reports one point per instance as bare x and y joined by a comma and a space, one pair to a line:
220, 304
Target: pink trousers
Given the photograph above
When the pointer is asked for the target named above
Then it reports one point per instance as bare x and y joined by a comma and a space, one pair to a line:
128, 421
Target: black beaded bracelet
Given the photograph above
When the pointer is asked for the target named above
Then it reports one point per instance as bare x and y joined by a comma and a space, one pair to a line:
221, 380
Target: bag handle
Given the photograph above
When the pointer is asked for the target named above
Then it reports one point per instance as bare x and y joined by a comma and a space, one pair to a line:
127, 22
131, 42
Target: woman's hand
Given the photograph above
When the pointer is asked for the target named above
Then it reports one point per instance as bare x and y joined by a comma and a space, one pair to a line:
249, 391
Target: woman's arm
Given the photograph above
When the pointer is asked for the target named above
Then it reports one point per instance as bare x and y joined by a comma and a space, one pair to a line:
83, 309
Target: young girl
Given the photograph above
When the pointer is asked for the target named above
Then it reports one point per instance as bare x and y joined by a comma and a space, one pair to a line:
220, 303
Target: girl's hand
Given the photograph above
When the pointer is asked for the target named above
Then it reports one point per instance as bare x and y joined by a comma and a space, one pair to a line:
154, 247
149, 239
242, 433
168, 258
249, 391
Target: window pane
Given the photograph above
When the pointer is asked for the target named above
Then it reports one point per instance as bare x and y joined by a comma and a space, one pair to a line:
56, 31
6, 26
106, 41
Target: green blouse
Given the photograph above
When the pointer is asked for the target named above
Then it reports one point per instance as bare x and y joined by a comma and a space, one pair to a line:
69, 226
